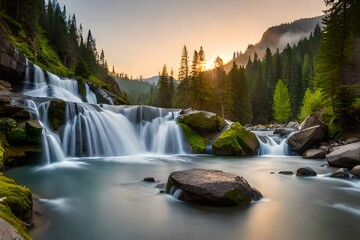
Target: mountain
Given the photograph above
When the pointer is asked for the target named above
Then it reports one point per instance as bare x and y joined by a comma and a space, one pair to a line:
152, 80
277, 37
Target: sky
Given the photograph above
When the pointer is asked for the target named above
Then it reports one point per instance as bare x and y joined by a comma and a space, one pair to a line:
140, 36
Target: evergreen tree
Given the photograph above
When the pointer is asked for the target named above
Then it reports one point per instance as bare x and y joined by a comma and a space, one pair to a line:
183, 96
281, 105
219, 85
163, 90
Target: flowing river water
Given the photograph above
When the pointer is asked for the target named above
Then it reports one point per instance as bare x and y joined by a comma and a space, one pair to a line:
91, 180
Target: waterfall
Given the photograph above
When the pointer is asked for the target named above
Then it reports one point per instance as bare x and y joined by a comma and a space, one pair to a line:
272, 145
87, 130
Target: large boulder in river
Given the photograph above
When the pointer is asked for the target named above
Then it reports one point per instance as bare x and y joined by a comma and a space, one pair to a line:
203, 123
314, 154
211, 187
347, 156
236, 141
307, 138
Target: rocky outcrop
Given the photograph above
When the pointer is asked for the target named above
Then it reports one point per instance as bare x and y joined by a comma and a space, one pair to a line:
310, 121
203, 123
307, 138
12, 62
236, 141
8, 232
347, 156
56, 113
314, 154
196, 142
104, 96
211, 187
305, 171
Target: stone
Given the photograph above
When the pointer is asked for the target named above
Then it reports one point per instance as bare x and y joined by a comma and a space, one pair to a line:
283, 132
293, 125
314, 154
286, 172
307, 138
341, 173
8, 232
347, 156
310, 121
305, 171
196, 142
236, 141
33, 131
355, 171
352, 140
211, 187
149, 179
203, 123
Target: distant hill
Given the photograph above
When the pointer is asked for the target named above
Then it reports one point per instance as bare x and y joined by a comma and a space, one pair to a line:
278, 37
152, 80
138, 91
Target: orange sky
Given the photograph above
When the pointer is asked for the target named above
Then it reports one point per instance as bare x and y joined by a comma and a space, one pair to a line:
139, 36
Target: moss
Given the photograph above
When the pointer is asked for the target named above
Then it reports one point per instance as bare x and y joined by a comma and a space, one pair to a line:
203, 124
16, 204
2, 155
81, 88
236, 141
17, 137
33, 132
197, 143
56, 113
95, 80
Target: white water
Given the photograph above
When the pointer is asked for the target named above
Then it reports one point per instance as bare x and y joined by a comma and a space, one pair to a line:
270, 147
91, 131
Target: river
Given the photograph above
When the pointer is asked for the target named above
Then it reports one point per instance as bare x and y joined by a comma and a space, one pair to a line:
105, 198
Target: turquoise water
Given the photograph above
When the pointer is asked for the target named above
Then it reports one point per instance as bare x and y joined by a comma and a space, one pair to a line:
106, 199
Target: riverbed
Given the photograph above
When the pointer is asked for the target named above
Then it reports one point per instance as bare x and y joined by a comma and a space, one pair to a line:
105, 198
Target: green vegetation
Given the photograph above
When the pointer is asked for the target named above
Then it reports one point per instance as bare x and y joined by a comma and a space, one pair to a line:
138, 91
203, 123
198, 144
16, 204
236, 141
281, 106
315, 103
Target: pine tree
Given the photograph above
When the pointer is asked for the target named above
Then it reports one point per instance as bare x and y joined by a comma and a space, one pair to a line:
183, 96
163, 93
219, 85
281, 106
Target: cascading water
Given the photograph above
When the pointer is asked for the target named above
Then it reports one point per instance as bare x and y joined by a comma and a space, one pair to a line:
88, 130
272, 145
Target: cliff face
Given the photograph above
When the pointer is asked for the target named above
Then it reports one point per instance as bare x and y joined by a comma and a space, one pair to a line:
12, 62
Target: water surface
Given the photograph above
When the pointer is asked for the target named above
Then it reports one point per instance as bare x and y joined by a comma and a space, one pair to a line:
105, 199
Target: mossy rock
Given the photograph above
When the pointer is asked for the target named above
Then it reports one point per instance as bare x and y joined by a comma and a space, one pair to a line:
33, 131
197, 143
17, 137
15, 205
17, 198
203, 123
81, 88
2, 155
236, 141
56, 114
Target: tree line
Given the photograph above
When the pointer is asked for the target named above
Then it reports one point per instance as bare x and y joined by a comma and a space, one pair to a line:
36, 24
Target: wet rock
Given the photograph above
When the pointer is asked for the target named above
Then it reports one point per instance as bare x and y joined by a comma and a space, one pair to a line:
286, 172
352, 140
341, 173
293, 125
203, 123
56, 113
149, 179
310, 121
236, 141
33, 131
355, 171
283, 132
305, 171
347, 156
307, 138
211, 187
314, 154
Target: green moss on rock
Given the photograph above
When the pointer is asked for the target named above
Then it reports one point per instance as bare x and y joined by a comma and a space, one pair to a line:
56, 113
33, 131
17, 137
203, 123
2, 155
197, 143
236, 141
15, 204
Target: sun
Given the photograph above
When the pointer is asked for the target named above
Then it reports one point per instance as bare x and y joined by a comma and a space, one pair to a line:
209, 65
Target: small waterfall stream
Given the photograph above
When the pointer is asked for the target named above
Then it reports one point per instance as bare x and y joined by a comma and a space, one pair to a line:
272, 145
92, 131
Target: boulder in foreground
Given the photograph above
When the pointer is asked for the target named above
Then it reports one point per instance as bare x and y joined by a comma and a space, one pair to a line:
211, 187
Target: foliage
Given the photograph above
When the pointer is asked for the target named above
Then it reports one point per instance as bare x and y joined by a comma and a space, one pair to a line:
314, 103
281, 100
7, 124
197, 143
